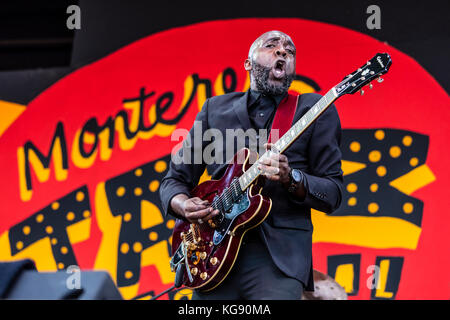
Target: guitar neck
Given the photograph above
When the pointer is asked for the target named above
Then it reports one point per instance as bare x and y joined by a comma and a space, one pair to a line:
290, 136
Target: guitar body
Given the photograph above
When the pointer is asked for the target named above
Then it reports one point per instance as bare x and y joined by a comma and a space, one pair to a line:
212, 252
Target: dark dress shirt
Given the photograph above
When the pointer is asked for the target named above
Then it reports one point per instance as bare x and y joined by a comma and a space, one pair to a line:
262, 109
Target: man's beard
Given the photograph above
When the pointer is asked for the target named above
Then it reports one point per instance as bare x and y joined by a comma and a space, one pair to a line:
261, 76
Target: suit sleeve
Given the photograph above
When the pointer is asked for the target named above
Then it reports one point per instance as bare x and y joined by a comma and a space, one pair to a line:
187, 166
324, 181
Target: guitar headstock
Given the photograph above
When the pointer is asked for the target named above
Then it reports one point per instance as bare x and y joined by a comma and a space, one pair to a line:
373, 69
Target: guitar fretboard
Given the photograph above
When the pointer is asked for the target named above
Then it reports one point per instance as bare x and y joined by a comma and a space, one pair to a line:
290, 136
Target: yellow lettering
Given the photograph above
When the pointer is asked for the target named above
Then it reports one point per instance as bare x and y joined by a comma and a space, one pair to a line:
105, 150
301, 87
110, 227
77, 159
218, 85
28, 158
382, 280
25, 193
40, 252
345, 275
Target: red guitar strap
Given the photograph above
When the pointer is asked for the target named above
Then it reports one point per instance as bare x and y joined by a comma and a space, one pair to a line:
284, 116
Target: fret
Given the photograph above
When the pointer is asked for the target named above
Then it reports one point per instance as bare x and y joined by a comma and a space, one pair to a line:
241, 183
226, 200
220, 205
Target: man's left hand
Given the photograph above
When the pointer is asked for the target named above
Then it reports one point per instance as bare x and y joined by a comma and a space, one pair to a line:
275, 167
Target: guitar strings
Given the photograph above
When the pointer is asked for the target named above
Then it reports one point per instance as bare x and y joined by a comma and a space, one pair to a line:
227, 195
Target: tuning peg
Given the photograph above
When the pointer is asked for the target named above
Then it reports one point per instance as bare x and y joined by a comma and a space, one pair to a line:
361, 91
380, 80
370, 85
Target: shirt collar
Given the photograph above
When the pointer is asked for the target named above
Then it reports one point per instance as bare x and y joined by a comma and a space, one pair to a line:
255, 95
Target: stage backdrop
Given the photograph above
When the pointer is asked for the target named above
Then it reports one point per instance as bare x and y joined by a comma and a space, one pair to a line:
81, 165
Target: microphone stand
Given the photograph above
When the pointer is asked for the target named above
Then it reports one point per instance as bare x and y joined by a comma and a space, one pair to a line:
179, 277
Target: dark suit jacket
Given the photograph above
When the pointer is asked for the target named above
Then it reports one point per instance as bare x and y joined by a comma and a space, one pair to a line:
287, 231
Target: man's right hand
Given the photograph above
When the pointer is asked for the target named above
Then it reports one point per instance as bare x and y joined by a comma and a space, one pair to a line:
195, 210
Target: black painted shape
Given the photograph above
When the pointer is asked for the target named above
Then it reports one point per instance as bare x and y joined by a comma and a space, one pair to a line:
131, 231
58, 220
389, 200
335, 261
393, 277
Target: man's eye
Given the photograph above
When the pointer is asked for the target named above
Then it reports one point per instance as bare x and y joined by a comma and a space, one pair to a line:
270, 46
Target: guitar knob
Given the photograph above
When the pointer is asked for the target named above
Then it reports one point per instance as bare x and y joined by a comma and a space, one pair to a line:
361, 91
203, 255
194, 271
370, 85
195, 258
211, 223
203, 275
214, 261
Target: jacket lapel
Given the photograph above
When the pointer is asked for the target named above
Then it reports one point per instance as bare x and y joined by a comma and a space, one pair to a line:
240, 108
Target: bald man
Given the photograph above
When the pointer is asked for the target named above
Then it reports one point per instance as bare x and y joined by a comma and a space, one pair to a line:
275, 259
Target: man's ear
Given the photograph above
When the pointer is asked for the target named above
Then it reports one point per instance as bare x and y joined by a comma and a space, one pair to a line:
247, 65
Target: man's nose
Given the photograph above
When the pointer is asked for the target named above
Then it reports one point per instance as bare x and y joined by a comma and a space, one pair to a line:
281, 52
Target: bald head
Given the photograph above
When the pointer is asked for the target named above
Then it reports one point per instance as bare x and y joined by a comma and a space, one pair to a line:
267, 36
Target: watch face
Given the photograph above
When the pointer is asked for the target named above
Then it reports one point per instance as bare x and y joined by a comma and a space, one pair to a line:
296, 175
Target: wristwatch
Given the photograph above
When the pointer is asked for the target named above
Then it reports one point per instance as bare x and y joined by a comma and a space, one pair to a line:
296, 177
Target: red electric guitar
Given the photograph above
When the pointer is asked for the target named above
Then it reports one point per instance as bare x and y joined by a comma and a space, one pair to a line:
203, 254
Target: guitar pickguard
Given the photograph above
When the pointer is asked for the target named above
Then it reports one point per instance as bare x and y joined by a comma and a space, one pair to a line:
238, 207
